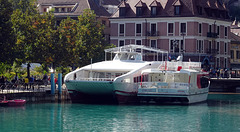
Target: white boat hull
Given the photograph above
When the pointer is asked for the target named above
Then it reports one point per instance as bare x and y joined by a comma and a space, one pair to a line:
182, 97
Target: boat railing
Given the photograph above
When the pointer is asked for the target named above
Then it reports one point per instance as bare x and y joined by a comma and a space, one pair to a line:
96, 79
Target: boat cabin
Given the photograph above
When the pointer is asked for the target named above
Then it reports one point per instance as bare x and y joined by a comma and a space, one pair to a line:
128, 56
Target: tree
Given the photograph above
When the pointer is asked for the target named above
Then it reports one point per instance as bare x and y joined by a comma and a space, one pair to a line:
44, 48
80, 41
6, 36
91, 43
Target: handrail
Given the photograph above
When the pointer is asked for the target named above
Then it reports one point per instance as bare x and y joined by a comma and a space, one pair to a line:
95, 79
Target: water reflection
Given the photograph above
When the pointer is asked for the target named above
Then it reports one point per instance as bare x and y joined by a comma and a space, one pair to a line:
219, 113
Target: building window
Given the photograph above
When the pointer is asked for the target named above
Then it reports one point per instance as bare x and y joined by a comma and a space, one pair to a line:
153, 29
199, 28
183, 28
122, 11
182, 46
210, 47
225, 48
45, 10
218, 30
200, 48
69, 9
154, 11
174, 46
139, 11
218, 62
232, 54
138, 42
121, 29
138, 28
218, 48
62, 9
177, 10
121, 43
199, 10
225, 63
153, 43
238, 54
226, 31
210, 28
170, 28
56, 10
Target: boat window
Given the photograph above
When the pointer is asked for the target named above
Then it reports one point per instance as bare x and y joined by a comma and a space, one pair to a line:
124, 56
75, 76
138, 57
131, 57
118, 74
117, 57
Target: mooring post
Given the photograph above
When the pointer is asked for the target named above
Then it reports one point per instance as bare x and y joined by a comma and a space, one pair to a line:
52, 84
60, 83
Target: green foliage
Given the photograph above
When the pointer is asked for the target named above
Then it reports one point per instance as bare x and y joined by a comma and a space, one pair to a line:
91, 42
63, 70
80, 41
4, 67
37, 39
6, 36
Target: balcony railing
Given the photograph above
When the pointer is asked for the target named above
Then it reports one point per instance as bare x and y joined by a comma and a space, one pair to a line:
153, 33
212, 35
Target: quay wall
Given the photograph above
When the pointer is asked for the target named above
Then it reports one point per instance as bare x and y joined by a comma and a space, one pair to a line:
225, 85
38, 97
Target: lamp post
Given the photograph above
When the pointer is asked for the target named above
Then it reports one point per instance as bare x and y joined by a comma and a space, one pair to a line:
182, 46
175, 43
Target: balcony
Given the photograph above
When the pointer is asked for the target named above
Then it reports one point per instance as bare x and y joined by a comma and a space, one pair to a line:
153, 33
212, 35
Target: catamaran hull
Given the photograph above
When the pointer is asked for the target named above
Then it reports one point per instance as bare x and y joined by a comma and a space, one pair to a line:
184, 95
90, 91
171, 98
126, 92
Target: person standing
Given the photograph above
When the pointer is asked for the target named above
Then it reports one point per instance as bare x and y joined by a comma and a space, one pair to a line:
26, 81
31, 82
45, 79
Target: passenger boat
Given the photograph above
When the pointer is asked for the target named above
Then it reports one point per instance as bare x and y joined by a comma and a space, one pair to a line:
110, 78
174, 82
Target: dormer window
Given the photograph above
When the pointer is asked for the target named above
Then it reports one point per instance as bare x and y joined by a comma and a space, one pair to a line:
154, 8
122, 11
199, 8
153, 11
177, 10
177, 7
140, 8
139, 11
123, 8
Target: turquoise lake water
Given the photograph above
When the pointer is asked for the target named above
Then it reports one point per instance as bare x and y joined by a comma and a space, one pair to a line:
221, 113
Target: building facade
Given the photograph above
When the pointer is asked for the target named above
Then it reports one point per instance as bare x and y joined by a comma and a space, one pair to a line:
198, 29
235, 55
74, 8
